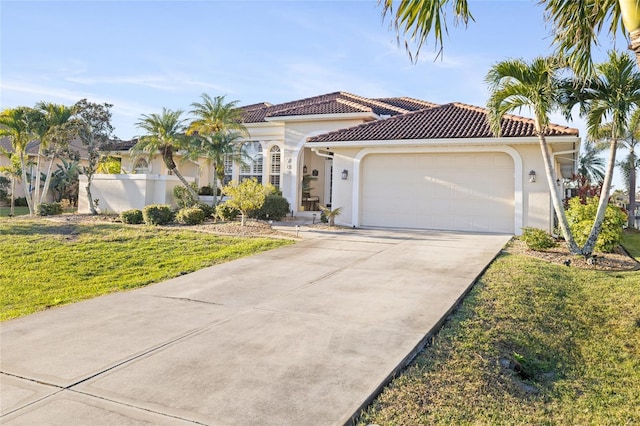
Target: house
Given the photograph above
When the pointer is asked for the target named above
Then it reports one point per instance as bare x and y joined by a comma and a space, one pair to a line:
397, 162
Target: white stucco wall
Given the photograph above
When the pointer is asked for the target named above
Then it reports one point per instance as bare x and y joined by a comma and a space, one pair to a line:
117, 193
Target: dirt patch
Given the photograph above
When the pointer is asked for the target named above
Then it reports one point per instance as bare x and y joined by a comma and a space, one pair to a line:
619, 260
252, 228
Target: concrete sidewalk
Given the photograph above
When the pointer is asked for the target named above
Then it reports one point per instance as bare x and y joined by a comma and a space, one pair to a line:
299, 335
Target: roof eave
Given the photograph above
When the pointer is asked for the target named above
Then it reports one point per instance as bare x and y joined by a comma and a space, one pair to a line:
325, 117
448, 141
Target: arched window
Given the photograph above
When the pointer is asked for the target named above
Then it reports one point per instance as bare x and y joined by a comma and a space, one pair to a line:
252, 167
141, 166
274, 172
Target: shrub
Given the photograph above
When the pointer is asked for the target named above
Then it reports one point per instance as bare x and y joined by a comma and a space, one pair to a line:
49, 209
205, 190
20, 202
132, 217
157, 214
190, 216
226, 212
206, 209
183, 197
537, 239
581, 216
275, 207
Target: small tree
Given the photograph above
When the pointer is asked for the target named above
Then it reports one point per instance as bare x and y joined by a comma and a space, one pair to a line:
246, 196
94, 129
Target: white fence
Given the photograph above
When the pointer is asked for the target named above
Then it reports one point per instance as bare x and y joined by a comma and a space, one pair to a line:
117, 193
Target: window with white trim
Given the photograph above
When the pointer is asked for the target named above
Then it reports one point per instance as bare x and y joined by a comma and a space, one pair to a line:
251, 166
274, 175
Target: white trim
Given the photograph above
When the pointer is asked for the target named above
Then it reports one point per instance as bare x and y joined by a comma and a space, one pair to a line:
518, 196
454, 142
323, 117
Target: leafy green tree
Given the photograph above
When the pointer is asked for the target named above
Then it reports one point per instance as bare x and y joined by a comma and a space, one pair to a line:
516, 84
217, 129
246, 196
613, 94
64, 181
18, 125
576, 25
165, 132
94, 129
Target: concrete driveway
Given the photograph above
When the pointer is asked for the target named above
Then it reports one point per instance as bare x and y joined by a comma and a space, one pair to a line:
299, 335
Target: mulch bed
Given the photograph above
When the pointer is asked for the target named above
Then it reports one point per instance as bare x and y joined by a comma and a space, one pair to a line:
619, 260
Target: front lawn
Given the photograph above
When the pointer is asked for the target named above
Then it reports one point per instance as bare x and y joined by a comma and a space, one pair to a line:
533, 343
46, 264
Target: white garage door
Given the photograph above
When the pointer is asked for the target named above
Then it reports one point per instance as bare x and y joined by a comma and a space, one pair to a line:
466, 192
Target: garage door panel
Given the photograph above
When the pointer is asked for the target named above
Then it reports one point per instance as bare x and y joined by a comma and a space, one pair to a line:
439, 191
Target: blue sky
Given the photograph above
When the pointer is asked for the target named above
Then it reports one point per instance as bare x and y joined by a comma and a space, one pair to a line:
141, 56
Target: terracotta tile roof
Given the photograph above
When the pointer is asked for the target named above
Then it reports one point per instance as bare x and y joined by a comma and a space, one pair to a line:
331, 103
410, 104
449, 121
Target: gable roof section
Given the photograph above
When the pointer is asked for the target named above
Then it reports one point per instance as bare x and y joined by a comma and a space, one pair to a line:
410, 104
331, 103
449, 121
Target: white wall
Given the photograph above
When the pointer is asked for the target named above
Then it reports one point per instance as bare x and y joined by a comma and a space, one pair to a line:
117, 193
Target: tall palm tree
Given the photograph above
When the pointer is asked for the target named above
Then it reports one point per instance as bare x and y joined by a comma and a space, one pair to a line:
218, 128
613, 95
55, 131
165, 133
516, 84
576, 24
18, 125
590, 164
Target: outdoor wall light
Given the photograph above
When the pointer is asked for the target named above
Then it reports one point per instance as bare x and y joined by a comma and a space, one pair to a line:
345, 174
304, 169
532, 176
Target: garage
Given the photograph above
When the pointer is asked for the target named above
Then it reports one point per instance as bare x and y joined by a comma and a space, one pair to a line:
448, 191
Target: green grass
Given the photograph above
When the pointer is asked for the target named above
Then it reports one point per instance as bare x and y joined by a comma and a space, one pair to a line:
19, 211
47, 264
575, 334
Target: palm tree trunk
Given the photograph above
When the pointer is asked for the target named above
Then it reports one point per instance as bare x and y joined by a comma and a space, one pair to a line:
603, 202
632, 188
13, 195
36, 190
25, 184
555, 197
215, 185
47, 180
193, 193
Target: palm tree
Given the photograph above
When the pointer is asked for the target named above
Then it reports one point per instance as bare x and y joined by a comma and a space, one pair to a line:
576, 24
14, 171
165, 133
55, 131
516, 84
612, 95
630, 165
217, 128
17, 125
591, 164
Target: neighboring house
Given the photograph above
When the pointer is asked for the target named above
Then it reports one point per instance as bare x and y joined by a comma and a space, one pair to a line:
75, 147
396, 162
